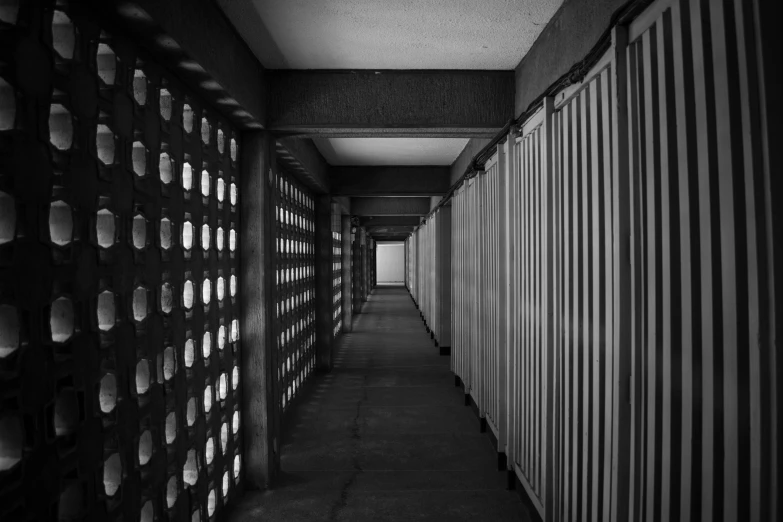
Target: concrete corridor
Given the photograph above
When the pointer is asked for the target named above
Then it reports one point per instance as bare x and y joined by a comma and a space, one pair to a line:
385, 436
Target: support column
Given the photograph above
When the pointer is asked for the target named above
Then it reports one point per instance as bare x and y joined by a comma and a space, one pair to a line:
260, 413
323, 283
363, 251
347, 264
356, 252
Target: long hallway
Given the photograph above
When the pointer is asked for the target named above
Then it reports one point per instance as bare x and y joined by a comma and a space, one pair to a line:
385, 435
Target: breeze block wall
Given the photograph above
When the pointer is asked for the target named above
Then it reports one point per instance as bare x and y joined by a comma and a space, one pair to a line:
119, 306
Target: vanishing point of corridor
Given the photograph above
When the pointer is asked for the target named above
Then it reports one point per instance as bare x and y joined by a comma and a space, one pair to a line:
385, 435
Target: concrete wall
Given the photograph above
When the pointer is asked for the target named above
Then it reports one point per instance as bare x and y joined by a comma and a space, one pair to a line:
391, 262
473, 147
569, 36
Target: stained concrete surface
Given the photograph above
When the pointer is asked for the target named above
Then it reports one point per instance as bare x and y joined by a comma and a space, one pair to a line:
385, 436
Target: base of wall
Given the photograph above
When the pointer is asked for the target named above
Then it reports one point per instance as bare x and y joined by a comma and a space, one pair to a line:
445, 350
512, 481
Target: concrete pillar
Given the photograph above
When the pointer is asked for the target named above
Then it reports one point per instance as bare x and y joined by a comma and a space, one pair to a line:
323, 283
363, 250
347, 263
356, 252
259, 407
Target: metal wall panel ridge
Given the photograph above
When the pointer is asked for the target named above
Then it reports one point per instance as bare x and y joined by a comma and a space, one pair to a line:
613, 280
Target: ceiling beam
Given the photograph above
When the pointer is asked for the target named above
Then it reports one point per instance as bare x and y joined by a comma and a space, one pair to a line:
389, 230
390, 238
374, 221
337, 103
303, 159
390, 206
390, 181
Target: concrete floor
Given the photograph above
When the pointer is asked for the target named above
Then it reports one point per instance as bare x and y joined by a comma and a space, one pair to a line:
385, 436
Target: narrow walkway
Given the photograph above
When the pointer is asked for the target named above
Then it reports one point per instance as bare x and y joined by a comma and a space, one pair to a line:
385, 436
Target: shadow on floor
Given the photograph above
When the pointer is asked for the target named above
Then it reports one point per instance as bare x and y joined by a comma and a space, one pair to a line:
385, 436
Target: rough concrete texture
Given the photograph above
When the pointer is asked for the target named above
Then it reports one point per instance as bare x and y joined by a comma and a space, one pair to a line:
569, 36
385, 436
465, 157
390, 206
389, 181
301, 100
377, 34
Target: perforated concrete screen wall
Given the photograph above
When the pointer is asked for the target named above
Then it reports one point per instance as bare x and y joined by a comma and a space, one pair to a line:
119, 306
295, 286
337, 274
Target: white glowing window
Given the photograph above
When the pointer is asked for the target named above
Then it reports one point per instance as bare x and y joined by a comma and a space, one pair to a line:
140, 87
223, 437
235, 423
60, 223
107, 64
221, 337
191, 411
233, 194
209, 450
187, 118
105, 228
187, 235
190, 469
165, 233
139, 158
223, 386
206, 130
207, 344
207, 399
145, 447
104, 143
232, 240
233, 285
234, 330
221, 189
166, 168
205, 236
221, 288
205, 183
187, 294
164, 102
112, 474
187, 176
206, 291
219, 239
235, 378
140, 303
190, 353
211, 502
171, 492
108, 393
142, 377
60, 127
166, 298
61, 320
105, 311
171, 427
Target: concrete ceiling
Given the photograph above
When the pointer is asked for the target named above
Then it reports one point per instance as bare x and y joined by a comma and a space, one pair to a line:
390, 34
390, 151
